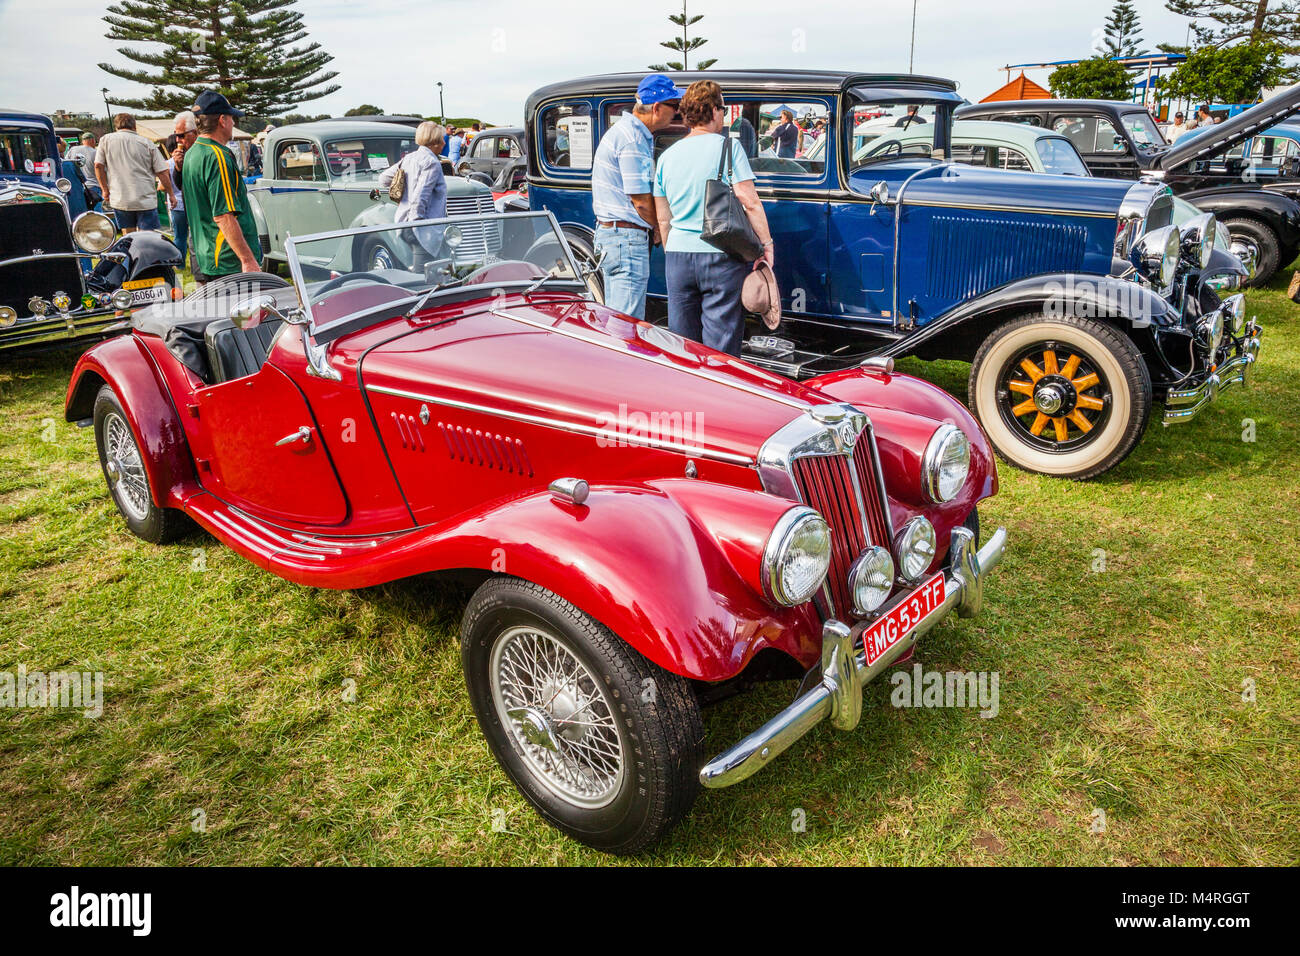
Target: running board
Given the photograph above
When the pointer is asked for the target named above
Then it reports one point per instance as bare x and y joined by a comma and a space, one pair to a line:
331, 561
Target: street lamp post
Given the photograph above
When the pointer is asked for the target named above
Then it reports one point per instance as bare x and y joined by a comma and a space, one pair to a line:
442, 112
912, 49
108, 112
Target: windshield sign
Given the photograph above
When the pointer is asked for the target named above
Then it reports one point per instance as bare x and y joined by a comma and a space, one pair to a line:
353, 278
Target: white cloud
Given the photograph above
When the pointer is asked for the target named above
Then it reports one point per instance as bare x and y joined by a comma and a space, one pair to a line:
490, 54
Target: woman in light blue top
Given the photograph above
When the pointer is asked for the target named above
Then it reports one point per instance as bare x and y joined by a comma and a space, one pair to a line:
425, 196
704, 283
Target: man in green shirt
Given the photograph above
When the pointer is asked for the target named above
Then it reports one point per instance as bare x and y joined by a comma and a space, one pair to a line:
222, 229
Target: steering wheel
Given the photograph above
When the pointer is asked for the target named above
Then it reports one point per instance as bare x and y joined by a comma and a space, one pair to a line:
347, 277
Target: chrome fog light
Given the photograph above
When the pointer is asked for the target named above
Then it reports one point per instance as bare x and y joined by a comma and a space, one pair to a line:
915, 545
121, 300
796, 557
37, 306
945, 464
8, 317
871, 579
93, 232
62, 301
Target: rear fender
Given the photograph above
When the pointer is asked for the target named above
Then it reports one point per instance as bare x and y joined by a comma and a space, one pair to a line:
670, 569
123, 364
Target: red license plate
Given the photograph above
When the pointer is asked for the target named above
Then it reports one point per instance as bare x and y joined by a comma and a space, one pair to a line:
903, 618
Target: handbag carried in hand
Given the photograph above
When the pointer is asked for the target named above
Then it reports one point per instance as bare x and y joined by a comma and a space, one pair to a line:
397, 187
726, 224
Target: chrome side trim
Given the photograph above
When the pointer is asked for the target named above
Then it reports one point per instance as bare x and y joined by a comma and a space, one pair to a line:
839, 696
576, 427
697, 373
993, 207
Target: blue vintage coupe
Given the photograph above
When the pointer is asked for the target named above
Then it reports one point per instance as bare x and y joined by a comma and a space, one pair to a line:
1078, 301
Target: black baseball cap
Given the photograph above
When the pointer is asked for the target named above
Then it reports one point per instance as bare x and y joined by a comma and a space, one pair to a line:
212, 103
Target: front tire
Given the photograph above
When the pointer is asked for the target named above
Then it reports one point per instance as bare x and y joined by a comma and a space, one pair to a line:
1067, 397
128, 481
1266, 243
605, 744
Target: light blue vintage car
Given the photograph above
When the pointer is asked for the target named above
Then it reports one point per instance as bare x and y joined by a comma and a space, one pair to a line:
323, 176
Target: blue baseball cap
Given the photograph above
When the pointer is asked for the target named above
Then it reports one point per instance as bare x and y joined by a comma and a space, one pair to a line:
657, 88
212, 103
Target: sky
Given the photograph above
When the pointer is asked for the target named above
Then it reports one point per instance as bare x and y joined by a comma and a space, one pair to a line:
490, 54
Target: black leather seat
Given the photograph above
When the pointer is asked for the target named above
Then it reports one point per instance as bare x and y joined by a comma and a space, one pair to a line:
234, 352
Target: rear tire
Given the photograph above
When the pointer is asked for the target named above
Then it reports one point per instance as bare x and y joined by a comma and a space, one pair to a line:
1097, 373
625, 775
128, 481
1266, 243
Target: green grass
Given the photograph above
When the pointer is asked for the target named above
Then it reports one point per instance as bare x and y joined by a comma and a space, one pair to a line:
1119, 691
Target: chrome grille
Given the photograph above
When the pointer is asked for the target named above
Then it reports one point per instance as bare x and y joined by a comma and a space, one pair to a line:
826, 484
482, 236
873, 490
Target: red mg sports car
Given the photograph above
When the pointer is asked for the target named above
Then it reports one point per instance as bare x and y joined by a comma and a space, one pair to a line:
649, 522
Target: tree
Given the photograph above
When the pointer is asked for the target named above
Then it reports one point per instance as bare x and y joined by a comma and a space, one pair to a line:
684, 44
1218, 23
1123, 31
1230, 74
1093, 79
243, 48
365, 109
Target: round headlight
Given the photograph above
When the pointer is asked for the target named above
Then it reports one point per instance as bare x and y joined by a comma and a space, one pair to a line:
1197, 237
7, 317
1234, 309
121, 300
93, 232
915, 545
871, 579
1210, 331
945, 464
1155, 256
796, 557
62, 301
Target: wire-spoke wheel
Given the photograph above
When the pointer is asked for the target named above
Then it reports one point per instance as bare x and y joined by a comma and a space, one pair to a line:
1066, 396
125, 471
605, 744
562, 724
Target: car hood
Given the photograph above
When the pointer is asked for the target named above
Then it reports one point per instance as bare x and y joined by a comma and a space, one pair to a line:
584, 368
947, 184
1217, 139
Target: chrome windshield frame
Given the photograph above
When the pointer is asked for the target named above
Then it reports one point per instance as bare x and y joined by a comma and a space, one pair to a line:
323, 333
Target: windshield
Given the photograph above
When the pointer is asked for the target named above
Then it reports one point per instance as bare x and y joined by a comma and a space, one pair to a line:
1059, 156
366, 157
872, 121
25, 150
354, 278
1142, 129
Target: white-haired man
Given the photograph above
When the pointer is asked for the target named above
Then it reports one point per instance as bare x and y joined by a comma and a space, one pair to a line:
184, 132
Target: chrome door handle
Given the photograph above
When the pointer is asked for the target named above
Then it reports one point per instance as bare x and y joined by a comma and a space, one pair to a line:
303, 435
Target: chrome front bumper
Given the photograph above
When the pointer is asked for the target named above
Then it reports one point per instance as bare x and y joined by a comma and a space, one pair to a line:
1182, 404
844, 672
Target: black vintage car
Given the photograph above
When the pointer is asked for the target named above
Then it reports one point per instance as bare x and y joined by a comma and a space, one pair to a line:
492, 151
1121, 140
46, 296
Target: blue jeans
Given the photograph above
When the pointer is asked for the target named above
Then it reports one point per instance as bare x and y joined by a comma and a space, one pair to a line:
704, 298
181, 227
626, 269
137, 218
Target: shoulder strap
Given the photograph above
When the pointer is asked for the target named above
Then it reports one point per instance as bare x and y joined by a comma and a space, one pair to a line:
725, 158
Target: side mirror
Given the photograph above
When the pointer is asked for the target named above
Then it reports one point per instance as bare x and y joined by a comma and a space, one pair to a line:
880, 195
589, 267
251, 312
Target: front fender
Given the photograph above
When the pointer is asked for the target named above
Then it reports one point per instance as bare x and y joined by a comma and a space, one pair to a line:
123, 363
259, 217
669, 567
1080, 294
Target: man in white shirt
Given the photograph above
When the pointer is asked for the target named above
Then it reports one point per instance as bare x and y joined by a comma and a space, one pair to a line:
1178, 128
126, 165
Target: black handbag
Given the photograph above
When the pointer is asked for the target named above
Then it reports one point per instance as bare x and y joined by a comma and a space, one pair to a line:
726, 224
